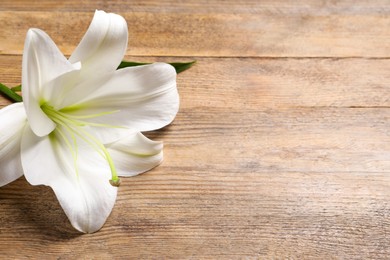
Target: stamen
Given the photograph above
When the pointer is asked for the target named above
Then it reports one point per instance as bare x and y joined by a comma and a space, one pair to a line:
68, 119
69, 145
90, 116
75, 128
115, 183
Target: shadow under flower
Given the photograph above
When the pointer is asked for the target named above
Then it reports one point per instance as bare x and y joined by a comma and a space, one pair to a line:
160, 134
33, 211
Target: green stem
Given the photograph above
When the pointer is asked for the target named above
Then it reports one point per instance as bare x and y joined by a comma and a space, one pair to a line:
8, 93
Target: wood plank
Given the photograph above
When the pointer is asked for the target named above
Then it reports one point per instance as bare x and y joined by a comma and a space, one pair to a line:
294, 183
204, 6
236, 83
236, 141
217, 34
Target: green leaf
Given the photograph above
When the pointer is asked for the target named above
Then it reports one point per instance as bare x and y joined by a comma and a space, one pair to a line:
10, 94
17, 88
179, 66
125, 64
182, 66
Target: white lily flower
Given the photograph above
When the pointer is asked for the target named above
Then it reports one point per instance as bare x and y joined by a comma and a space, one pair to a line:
79, 125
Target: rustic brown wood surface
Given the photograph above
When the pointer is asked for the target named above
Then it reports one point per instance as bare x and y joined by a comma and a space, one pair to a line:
281, 148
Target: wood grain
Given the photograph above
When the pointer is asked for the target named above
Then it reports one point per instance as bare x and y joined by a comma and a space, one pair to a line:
258, 83
280, 149
204, 6
234, 35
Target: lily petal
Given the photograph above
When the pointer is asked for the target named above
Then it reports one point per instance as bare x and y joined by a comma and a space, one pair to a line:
42, 62
144, 97
103, 46
84, 191
59, 87
13, 119
135, 154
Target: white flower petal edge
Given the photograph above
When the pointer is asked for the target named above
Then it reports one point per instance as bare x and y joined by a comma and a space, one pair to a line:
135, 154
42, 62
103, 46
82, 186
13, 121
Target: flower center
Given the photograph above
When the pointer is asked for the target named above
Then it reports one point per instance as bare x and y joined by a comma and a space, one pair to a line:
74, 125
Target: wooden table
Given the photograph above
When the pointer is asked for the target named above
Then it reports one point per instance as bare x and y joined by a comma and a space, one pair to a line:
281, 148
